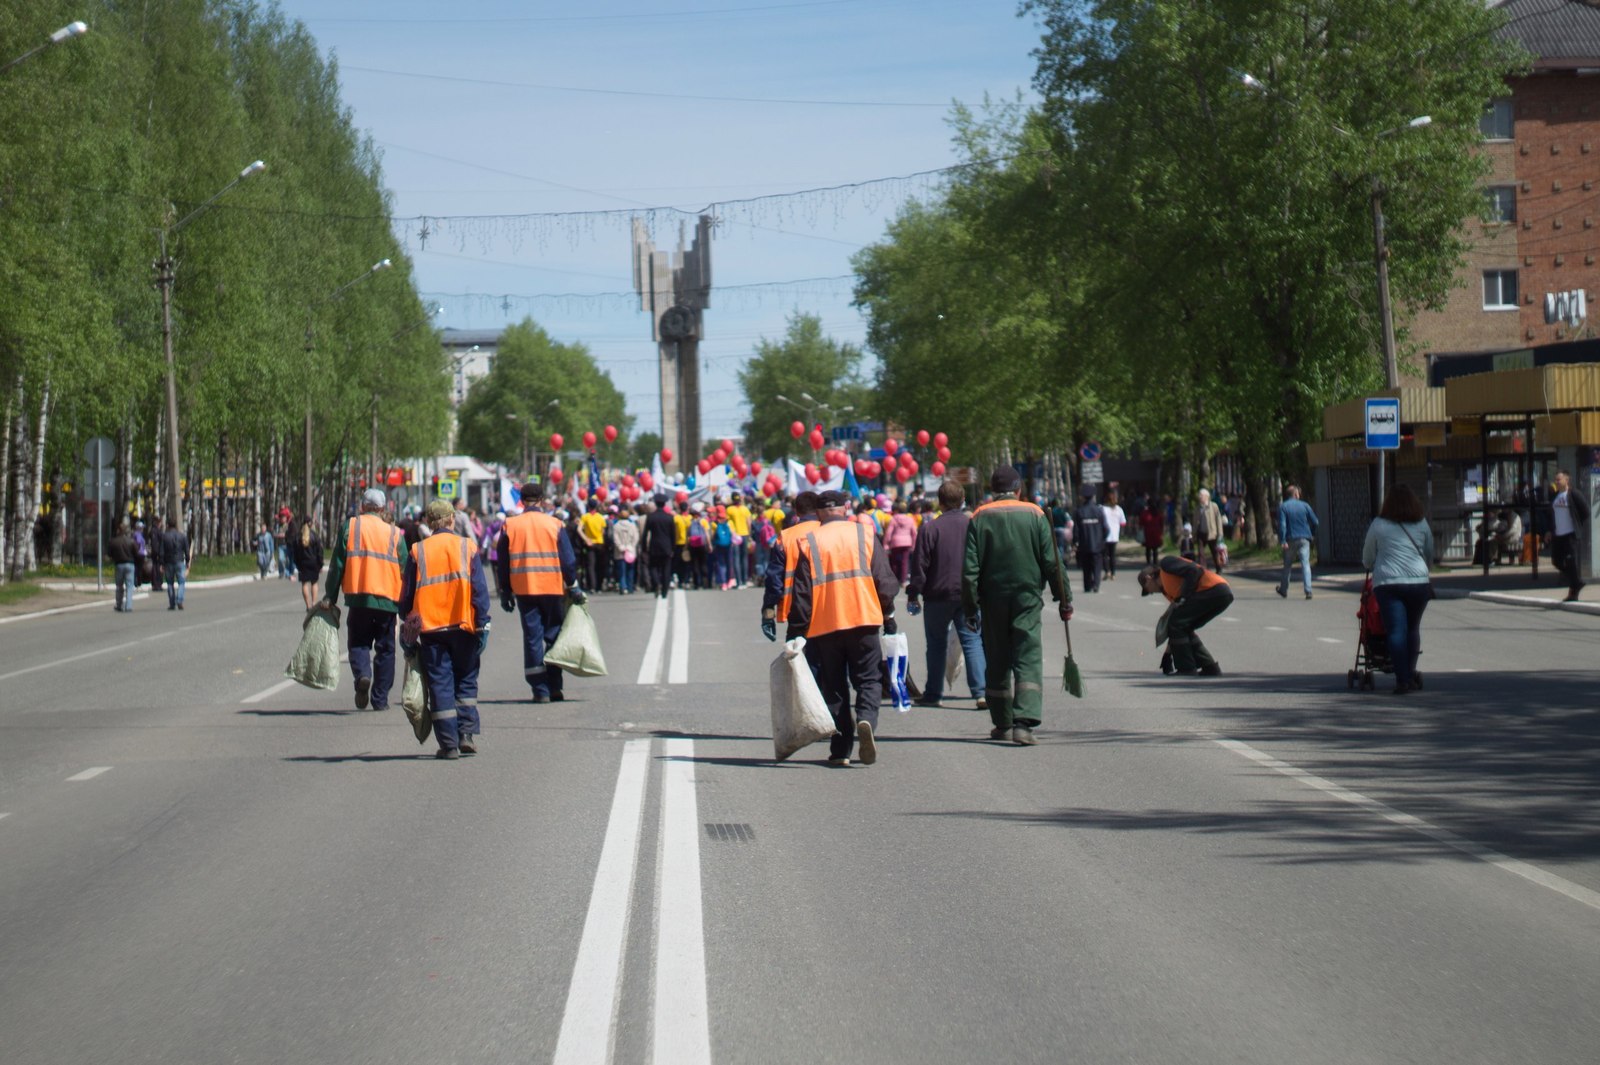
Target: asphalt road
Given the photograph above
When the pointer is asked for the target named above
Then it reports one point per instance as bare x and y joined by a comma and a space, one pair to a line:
1263, 867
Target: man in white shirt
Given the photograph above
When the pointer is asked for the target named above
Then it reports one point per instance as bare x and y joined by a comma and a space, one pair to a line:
1570, 512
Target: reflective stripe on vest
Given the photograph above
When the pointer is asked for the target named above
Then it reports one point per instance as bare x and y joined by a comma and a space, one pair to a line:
535, 557
843, 593
790, 538
444, 581
1172, 584
372, 558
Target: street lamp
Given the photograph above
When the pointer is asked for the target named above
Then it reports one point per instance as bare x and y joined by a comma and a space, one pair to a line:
166, 275
381, 264
65, 33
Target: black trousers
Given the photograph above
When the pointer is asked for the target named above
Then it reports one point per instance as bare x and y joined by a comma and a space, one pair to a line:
1089, 562
849, 658
1183, 637
660, 574
1564, 556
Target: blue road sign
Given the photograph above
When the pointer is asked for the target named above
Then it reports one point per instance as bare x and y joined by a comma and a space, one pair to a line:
1383, 423
1089, 451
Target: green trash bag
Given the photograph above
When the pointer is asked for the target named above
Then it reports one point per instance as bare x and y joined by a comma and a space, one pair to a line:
316, 661
414, 698
577, 649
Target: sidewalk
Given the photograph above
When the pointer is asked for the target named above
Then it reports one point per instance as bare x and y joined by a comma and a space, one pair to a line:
60, 597
1507, 585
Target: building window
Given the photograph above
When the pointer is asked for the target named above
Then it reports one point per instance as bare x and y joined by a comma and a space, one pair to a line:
1499, 290
1496, 123
1502, 205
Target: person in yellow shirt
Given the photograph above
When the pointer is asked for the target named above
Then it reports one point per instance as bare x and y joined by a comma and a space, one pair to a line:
680, 543
592, 530
774, 514
739, 523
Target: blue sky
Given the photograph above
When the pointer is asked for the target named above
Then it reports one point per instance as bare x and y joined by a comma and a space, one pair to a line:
456, 144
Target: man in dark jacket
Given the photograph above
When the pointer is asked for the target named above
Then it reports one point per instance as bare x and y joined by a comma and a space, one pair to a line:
1089, 538
1010, 556
659, 534
934, 589
1569, 518
779, 576
123, 551
175, 562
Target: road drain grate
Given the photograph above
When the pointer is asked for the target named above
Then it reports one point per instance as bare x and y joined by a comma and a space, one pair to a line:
731, 833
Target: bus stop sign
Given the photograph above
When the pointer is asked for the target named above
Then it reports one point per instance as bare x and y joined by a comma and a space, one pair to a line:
1383, 423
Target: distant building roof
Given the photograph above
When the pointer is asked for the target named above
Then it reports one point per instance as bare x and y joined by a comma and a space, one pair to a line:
466, 337
1561, 34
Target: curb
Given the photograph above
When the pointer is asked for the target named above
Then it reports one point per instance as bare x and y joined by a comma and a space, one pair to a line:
1507, 599
90, 586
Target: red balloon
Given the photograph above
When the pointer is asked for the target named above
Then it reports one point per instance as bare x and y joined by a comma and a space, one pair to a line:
797, 430
682, 496
816, 440
666, 455
755, 469
812, 473
940, 440
902, 475
600, 493
704, 466
556, 476
877, 469
890, 446
938, 469
611, 434
583, 494
718, 457
922, 437
944, 454
627, 480
647, 481
727, 446
588, 440
556, 441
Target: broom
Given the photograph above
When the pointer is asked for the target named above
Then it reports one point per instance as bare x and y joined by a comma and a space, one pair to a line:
1071, 678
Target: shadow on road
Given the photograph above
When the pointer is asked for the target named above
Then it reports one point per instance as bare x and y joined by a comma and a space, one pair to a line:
304, 713
335, 759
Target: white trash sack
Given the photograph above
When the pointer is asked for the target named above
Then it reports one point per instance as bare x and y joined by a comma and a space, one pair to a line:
799, 716
896, 663
955, 658
577, 648
315, 662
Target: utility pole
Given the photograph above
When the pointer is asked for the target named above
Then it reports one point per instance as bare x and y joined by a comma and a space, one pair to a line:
1391, 372
164, 279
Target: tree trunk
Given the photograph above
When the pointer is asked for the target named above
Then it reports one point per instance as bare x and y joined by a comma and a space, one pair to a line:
23, 554
13, 401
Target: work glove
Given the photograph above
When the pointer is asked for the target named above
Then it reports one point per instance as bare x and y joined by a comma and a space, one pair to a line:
1066, 611
769, 628
913, 606
506, 604
577, 596
889, 626
483, 638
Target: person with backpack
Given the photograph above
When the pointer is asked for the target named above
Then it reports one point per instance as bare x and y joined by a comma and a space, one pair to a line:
722, 550
699, 541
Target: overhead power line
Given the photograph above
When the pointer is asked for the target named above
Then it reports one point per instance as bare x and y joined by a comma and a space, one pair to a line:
629, 17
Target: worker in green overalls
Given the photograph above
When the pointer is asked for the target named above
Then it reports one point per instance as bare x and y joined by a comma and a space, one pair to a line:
1011, 556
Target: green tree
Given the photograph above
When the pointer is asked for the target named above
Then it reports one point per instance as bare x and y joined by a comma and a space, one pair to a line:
803, 361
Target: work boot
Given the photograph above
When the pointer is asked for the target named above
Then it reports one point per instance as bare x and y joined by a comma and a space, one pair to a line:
541, 698
983, 704
1022, 736
1001, 733
469, 744
839, 763
1282, 590
1211, 670
448, 753
363, 690
1166, 664
869, 745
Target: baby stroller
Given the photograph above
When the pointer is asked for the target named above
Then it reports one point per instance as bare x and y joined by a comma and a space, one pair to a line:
1372, 643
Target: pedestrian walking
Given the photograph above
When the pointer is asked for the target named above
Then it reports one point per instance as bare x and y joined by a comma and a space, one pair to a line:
1009, 558
781, 560
175, 562
739, 523
446, 602
1089, 538
307, 551
1569, 512
1115, 518
1399, 552
1153, 525
699, 540
146, 564
898, 537
1297, 523
934, 591
592, 532
538, 575
661, 545
625, 548
280, 541
842, 599
366, 565
123, 551
1207, 522
1196, 597
265, 548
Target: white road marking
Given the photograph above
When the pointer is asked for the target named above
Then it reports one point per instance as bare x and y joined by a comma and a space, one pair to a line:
678, 668
1276, 628
86, 654
650, 668
1330, 639
99, 604
1233, 620
262, 696
1560, 885
589, 1023
1118, 626
682, 1022
1466, 671
91, 773
4, 816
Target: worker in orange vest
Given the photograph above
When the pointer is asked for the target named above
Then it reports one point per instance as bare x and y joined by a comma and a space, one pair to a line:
1197, 595
366, 566
781, 558
537, 567
842, 595
446, 603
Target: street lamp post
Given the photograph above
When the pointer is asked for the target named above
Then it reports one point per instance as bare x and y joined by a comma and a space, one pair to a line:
527, 426
166, 275
382, 264
65, 33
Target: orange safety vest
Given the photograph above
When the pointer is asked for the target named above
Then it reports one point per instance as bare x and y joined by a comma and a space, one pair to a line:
531, 539
790, 538
444, 581
843, 593
1172, 584
372, 558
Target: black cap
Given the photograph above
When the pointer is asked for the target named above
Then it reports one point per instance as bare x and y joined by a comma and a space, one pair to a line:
532, 490
835, 498
1004, 479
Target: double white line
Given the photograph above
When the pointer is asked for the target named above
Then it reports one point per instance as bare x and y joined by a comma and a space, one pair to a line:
678, 664
681, 1022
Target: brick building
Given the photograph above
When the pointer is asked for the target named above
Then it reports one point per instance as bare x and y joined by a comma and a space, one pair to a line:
1529, 263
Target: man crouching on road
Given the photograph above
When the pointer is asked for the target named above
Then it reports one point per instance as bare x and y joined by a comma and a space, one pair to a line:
446, 600
843, 592
1010, 556
1197, 595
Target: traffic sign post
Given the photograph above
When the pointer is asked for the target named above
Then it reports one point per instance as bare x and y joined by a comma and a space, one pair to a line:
1382, 434
447, 489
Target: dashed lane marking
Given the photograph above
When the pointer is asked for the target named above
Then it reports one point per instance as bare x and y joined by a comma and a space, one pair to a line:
87, 654
678, 667
1276, 628
90, 773
650, 668
682, 1021
1330, 639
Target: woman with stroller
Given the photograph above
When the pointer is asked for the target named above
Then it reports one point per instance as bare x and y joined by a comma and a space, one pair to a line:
1399, 552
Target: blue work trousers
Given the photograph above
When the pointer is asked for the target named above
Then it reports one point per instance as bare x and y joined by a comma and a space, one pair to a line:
370, 636
450, 658
1402, 606
541, 624
937, 617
